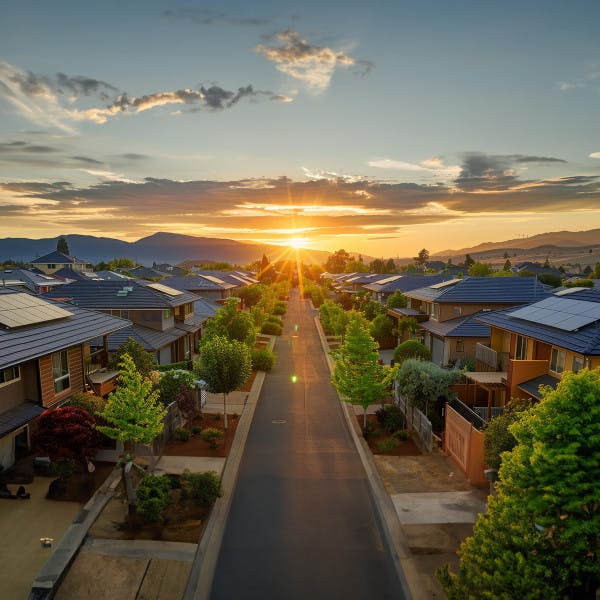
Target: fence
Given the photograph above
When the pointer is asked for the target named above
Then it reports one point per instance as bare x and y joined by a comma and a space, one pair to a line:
482, 411
172, 421
416, 421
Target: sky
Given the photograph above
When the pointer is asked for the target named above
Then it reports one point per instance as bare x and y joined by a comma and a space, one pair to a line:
380, 127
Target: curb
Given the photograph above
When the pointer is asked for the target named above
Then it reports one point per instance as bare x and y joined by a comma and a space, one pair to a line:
205, 561
393, 532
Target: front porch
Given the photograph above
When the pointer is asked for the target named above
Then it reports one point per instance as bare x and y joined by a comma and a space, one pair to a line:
485, 392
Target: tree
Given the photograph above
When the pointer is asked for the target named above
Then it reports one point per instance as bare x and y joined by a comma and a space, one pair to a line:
397, 300
377, 266
411, 349
468, 261
507, 265
408, 326
382, 330
356, 266
552, 279
225, 365
143, 361
540, 536
478, 269
66, 433
62, 246
587, 271
390, 266
336, 263
241, 328
372, 309
422, 258
358, 376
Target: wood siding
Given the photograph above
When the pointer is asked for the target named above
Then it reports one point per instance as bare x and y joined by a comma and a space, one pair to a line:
76, 379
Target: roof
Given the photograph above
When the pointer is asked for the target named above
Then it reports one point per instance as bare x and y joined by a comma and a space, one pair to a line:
405, 283
111, 276
33, 341
18, 416
199, 283
460, 327
145, 272
585, 340
111, 295
205, 308
69, 273
235, 277
31, 279
55, 257
532, 386
486, 290
405, 312
150, 339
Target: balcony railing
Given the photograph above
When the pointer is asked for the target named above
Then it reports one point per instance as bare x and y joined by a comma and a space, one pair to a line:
495, 361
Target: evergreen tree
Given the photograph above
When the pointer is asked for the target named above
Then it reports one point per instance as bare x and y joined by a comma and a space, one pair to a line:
397, 300
540, 536
62, 246
358, 376
225, 365
390, 266
422, 258
143, 360
507, 265
468, 261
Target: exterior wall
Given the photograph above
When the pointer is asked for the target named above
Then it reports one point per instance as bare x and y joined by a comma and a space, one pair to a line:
524, 370
499, 340
12, 394
464, 444
469, 345
453, 310
76, 379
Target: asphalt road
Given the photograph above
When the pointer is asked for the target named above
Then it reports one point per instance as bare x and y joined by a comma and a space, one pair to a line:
302, 523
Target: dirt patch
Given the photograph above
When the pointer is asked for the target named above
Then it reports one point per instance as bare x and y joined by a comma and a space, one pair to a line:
81, 485
196, 446
379, 435
248, 385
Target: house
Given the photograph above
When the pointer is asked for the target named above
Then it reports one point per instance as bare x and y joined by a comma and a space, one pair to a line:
382, 289
141, 272
208, 286
168, 270
535, 269
163, 318
29, 280
54, 261
47, 351
69, 274
442, 307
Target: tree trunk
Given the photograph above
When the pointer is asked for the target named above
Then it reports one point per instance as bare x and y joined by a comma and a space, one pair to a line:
225, 410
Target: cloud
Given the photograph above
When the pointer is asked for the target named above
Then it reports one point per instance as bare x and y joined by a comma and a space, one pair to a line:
53, 100
431, 167
135, 156
313, 65
201, 16
589, 79
87, 160
595, 155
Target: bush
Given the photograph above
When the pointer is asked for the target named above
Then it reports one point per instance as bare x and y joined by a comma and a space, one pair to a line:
181, 434
153, 496
263, 359
411, 349
93, 405
182, 364
390, 418
170, 384
401, 435
280, 308
274, 319
217, 416
382, 329
203, 488
196, 429
270, 328
387, 445
211, 435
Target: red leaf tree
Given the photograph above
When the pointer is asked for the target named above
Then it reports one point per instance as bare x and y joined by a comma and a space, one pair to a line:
66, 433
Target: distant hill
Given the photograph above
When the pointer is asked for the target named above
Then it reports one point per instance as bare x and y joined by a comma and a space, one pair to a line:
160, 247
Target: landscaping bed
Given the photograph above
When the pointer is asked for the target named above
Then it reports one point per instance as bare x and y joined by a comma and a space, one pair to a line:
248, 385
81, 485
378, 435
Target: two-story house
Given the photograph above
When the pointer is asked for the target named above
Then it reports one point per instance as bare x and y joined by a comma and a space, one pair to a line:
208, 286
382, 289
163, 318
54, 261
446, 311
46, 349
28, 280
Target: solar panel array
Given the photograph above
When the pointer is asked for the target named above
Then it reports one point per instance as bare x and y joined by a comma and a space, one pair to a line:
567, 291
165, 289
561, 313
388, 279
17, 310
443, 284
213, 279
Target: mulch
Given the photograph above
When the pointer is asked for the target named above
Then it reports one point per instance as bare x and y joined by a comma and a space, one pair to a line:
248, 385
196, 446
404, 448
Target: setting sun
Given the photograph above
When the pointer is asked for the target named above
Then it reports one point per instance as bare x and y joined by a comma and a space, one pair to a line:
298, 242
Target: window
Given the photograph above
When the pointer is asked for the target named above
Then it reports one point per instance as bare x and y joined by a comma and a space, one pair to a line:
460, 346
434, 310
9, 375
458, 310
60, 371
578, 364
557, 360
521, 348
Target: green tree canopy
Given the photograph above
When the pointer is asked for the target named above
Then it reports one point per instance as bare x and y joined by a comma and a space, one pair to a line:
225, 365
422, 258
540, 536
377, 265
468, 261
358, 377
390, 266
507, 265
336, 263
143, 360
133, 411
411, 349
478, 269
397, 300
62, 246
382, 329
231, 323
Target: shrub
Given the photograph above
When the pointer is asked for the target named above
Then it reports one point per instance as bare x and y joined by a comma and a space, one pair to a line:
382, 329
270, 328
211, 435
263, 359
401, 435
390, 418
280, 308
153, 496
203, 488
170, 384
274, 319
182, 364
387, 445
411, 349
92, 404
196, 429
217, 416
181, 434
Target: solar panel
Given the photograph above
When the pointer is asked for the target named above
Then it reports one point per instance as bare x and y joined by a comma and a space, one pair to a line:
213, 279
561, 313
569, 291
17, 310
165, 289
443, 284
389, 279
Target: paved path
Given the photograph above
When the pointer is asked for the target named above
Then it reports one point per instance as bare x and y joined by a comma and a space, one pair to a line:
302, 522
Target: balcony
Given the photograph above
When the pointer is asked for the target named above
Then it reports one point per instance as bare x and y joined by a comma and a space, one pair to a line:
488, 359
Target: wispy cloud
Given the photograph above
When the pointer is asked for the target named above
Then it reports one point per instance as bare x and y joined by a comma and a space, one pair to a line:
312, 64
53, 100
595, 155
434, 167
201, 16
589, 79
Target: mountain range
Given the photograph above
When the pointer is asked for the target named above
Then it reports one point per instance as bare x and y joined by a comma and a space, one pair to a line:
161, 247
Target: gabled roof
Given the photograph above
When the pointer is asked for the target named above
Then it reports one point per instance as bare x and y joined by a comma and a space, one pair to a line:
145, 272
199, 283
56, 257
461, 327
74, 275
116, 295
405, 283
31, 279
111, 276
585, 340
487, 290
150, 339
33, 341
364, 278
205, 309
